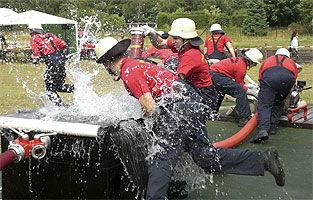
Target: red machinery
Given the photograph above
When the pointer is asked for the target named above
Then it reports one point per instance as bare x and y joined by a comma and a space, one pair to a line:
22, 148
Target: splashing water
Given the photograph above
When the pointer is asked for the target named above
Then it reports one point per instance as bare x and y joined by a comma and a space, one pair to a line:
106, 110
88, 106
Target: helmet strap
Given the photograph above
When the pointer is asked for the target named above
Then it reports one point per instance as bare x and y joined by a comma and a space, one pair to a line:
183, 47
249, 62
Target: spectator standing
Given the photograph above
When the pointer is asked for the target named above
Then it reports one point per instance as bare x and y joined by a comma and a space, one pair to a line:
294, 45
122, 35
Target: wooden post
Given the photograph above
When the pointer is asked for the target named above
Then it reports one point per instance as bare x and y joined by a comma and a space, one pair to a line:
265, 50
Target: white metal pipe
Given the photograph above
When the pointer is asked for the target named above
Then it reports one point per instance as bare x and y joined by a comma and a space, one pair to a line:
250, 80
36, 125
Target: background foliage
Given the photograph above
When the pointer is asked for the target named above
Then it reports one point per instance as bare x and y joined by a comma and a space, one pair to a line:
114, 14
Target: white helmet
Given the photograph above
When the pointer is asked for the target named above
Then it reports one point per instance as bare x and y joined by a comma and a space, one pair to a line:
109, 47
216, 27
35, 26
254, 55
184, 28
283, 51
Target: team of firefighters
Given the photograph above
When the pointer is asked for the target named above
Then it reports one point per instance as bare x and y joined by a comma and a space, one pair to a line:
187, 95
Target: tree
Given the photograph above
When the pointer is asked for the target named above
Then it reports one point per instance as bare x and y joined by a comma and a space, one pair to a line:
112, 22
255, 22
163, 19
212, 13
282, 12
238, 17
167, 6
305, 12
222, 19
139, 10
69, 9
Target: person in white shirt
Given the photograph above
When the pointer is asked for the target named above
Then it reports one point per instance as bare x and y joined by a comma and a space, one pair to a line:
294, 45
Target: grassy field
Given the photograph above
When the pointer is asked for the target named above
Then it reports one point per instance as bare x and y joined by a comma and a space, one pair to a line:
275, 37
20, 82
279, 37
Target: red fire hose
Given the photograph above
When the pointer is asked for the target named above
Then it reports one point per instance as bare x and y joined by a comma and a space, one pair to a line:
240, 135
6, 158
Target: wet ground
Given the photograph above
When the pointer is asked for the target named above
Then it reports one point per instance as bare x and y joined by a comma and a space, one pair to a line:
295, 149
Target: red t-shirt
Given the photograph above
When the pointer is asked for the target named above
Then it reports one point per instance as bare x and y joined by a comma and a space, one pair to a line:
193, 65
141, 77
271, 62
164, 54
40, 43
234, 68
220, 45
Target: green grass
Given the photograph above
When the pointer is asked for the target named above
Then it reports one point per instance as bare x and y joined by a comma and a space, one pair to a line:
13, 97
275, 37
279, 37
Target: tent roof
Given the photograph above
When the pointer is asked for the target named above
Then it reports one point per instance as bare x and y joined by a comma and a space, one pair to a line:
31, 16
6, 11
43, 18
8, 16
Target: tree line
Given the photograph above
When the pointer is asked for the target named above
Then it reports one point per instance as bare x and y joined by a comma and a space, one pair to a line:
254, 16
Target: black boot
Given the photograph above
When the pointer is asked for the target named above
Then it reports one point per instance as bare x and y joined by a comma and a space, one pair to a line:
260, 137
243, 121
272, 165
272, 130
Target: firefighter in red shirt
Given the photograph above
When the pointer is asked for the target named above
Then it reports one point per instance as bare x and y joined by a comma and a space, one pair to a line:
48, 46
168, 58
277, 77
193, 66
214, 45
180, 122
225, 71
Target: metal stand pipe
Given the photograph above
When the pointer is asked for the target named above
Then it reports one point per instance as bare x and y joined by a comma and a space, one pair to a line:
136, 46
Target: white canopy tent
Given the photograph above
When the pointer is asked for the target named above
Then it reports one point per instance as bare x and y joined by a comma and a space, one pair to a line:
9, 17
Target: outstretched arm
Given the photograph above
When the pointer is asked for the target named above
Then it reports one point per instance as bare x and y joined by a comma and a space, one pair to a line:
231, 49
147, 104
155, 39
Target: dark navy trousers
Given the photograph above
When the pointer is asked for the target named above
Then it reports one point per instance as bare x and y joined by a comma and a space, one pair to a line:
182, 126
275, 85
209, 98
225, 85
55, 75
